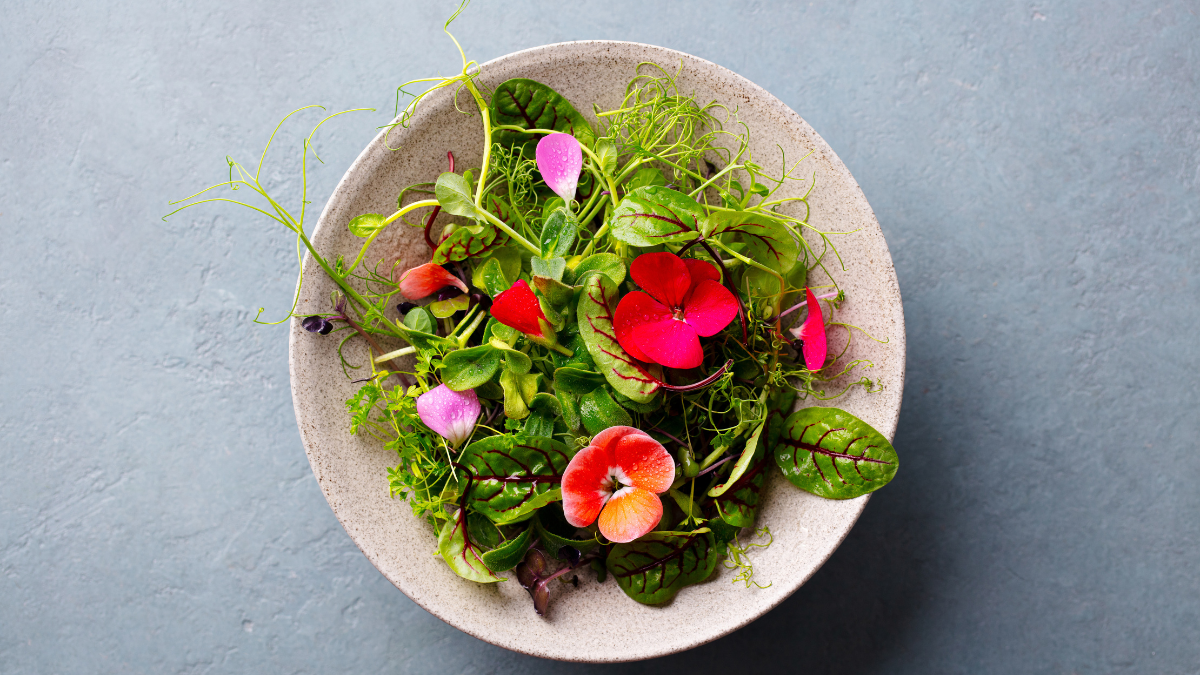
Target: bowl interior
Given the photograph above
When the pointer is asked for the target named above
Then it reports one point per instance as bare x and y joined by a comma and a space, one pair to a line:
595, 622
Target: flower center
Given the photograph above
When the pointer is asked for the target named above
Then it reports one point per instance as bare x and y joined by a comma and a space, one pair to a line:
677, 314
613, 482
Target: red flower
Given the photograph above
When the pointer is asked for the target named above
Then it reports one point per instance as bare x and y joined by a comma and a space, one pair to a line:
812, 333
518, 308
617, 479
684, 300
428, 279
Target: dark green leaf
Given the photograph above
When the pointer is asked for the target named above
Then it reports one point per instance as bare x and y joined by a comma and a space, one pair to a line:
833, 454
555, 533
570, 410
463, 556
595, 311
539, 424
558, 233
739, 505
464, 369
768, 241
514, 476
482, 530
579, 358
654, 568
510, 553
654, 215
599, 412
576, 380
366, 225
607, 264
533, 105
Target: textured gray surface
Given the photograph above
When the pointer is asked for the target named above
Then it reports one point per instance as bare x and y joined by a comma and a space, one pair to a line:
1034, 165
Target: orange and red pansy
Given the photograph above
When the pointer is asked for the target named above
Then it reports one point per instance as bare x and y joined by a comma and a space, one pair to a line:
683, 300
615, 482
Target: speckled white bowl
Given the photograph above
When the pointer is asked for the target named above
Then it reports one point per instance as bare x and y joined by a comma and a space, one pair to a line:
595, 622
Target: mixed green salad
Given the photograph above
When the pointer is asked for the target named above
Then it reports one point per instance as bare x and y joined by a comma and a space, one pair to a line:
605, 355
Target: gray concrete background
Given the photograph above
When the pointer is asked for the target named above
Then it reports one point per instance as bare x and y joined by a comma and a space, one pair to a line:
1034, 165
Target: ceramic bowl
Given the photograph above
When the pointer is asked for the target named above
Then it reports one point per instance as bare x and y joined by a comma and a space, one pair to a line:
594, 622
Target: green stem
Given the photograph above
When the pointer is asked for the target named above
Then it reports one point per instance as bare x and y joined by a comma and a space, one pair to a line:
395, 355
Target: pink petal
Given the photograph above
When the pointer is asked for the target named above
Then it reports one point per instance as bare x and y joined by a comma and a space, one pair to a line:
560, 160
700, 270
518, 308
635, 309
670, 342
631, 513
813, 334
427, 279
584, 488
664, 276
452, 414
709, 308
645, 462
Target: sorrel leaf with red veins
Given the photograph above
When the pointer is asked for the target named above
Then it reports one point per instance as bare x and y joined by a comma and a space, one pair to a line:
833, 454
532, 105
463, 555
768, 241
595, 311
739, 506
514, 476
654, 215
654, 568
469, 241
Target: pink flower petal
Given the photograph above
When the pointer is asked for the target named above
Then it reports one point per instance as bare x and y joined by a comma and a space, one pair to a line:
664, 276
670, 342
635, 309
709, 308
813, 334
700, 270
452, 414
427, 279
560, 160
518, 308
645, 462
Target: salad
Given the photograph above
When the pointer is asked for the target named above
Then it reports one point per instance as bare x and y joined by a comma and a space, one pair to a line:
610, 348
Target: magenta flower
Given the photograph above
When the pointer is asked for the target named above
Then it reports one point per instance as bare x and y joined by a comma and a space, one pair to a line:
812, 334
560, 160
450, 413
683, 301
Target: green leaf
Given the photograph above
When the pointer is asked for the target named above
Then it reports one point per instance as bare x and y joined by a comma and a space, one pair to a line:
513, 476
419, 319
510, 553
555, 532
482, 530
490, 277
558, 233
606, 152
554, 292
595, 311
532, 105
519, 390
446, 308
645, 175
576, 380
749, 454
654, 568
366, 224
464, 369
608, 264
539, 425
506, 334
545, 410
514, 360
466, 242
461, 554
599, 412
570, 410
453, 192
551, 269
739, 505
768, 241
654, 215
833, 454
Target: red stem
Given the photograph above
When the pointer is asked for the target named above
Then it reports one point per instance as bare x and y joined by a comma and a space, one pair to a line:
436, 210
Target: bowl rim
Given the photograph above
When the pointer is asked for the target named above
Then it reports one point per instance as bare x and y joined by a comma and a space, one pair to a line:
899, 340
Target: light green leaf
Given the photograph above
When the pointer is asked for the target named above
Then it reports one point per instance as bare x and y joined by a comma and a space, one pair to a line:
464, 369
454, 194
551, 269
446, 308
645, 175
768, 241
367, 224
608, 264
554, 292
558, 233
606, 152
490, 277
463, 556
739, 468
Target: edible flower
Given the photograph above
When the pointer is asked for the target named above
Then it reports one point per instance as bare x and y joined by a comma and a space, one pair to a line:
683, 301
616, 480
450, 413
812, 334
560, 159
519, 308
428, 279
